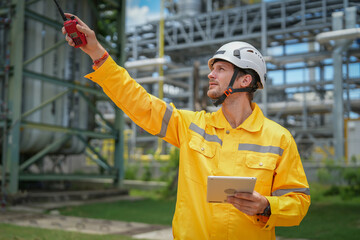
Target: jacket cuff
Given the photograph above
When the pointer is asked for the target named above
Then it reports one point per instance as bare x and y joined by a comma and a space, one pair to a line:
274, 203
101, 73
268, 223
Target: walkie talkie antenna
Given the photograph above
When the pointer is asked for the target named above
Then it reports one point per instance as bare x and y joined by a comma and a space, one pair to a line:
61, 11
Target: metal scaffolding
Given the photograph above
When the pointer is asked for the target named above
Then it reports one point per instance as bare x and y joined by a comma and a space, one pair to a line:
305, 107
47, 108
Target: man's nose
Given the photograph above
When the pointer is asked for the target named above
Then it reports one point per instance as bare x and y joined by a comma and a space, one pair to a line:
211, 75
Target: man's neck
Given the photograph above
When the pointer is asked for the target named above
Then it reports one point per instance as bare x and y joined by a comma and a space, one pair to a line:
236, 111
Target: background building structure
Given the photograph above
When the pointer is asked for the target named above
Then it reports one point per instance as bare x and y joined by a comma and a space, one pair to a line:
51, 117
306, 92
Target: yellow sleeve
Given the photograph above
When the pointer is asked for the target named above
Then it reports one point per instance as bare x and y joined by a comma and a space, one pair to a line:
149, 112
290, 198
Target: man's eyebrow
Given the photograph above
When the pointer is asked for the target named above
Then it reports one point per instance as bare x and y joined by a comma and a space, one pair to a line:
222, 64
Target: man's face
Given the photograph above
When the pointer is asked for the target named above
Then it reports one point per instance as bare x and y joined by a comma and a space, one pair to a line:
219, 78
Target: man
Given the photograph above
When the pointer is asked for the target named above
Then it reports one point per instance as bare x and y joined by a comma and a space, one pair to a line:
237, 140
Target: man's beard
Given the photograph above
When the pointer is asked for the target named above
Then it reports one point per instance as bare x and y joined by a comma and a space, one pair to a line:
213, 94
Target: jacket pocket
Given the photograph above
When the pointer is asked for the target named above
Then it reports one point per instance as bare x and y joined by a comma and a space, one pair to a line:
200, 159
261, 166
201, 147
256, 161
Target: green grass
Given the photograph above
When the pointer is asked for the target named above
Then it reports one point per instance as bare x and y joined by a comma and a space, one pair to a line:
11, 232
327, 221
328, 217
153, 211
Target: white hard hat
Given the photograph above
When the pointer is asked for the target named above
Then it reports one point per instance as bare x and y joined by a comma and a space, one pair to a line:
244, 56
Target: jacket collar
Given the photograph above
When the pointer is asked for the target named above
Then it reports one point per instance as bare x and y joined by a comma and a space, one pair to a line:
252, 124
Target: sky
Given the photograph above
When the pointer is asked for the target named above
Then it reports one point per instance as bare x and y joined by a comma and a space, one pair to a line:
141, 11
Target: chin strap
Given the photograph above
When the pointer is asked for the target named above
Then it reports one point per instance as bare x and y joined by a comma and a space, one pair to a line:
230, 89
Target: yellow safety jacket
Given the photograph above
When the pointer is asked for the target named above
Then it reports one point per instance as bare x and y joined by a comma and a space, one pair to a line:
208, 145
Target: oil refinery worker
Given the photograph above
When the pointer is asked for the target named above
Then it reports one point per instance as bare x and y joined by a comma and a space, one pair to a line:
237, 140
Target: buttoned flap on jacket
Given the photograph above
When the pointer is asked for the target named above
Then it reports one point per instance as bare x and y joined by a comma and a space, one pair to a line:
208, 145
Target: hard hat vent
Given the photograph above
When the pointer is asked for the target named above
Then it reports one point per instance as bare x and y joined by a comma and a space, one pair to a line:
237, 53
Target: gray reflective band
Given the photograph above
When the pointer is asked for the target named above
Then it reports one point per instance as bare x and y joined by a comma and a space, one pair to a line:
165, 121
207, 137
281, 192
260, 149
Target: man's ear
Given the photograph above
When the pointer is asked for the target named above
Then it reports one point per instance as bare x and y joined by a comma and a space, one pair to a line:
245, 80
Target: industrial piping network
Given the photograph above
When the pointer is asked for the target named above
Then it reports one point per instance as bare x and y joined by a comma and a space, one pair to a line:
288, 22
342, 39
349, 34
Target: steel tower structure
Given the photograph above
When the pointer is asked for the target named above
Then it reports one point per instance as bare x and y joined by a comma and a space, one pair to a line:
47, 108
306, 107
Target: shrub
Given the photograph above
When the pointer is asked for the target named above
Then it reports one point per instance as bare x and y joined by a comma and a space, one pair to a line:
324, 175
332, 191
131, 172
170, 174
352, 178
147, 173
343, 181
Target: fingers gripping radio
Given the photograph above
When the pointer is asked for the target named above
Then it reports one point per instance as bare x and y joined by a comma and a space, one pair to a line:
70, 27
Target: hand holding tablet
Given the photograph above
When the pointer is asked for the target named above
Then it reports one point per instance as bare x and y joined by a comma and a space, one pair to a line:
220, 187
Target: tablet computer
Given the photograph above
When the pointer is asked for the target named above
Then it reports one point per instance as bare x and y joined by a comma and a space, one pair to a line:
220, 187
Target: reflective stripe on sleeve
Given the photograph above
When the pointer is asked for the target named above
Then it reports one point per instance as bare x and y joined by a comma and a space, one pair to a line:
207, 137
260, 149
165, 121
282, 192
